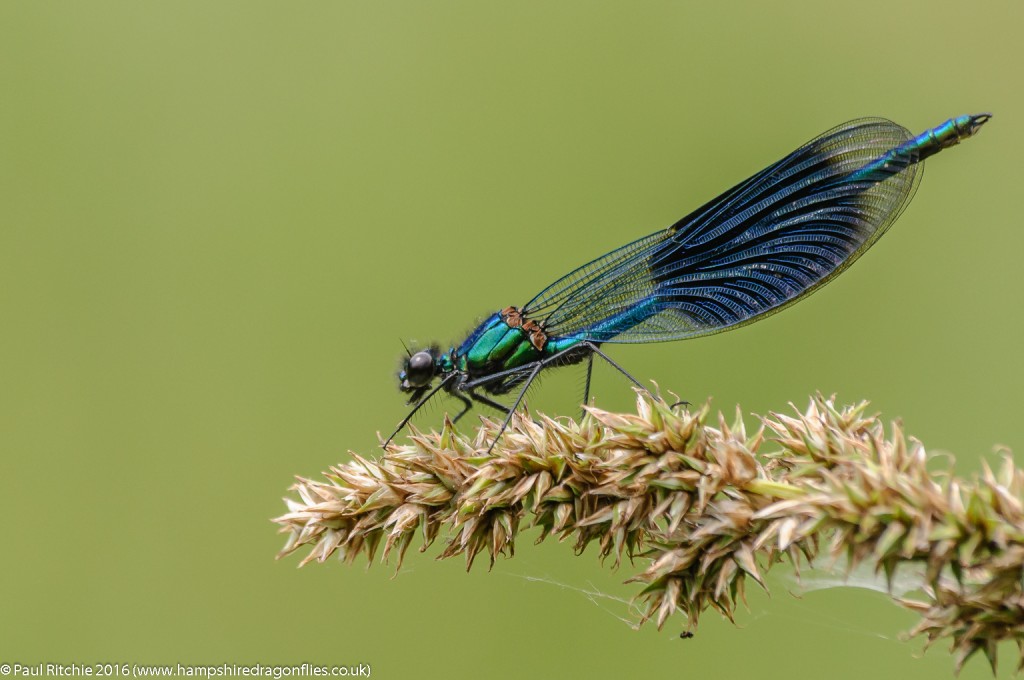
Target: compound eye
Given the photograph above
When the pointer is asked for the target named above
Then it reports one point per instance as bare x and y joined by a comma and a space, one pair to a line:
420, 369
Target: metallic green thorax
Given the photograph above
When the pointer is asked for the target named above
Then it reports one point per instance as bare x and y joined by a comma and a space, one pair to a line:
499, 347
503, 341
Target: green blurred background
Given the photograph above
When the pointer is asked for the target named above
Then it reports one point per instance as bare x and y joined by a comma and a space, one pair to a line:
217, 219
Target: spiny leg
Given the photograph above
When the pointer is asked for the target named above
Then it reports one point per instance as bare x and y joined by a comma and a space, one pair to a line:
624, 372
467, 405
586, 388
493, 377
553, 359
519, 399
487, 401
594, 348
534, 369
417, 407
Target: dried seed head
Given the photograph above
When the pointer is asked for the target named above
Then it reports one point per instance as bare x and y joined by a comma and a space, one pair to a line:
705, 507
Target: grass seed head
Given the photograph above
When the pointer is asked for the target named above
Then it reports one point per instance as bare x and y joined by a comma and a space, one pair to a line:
703, 507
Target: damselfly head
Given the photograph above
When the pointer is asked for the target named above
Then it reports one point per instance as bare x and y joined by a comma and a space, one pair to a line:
418, 370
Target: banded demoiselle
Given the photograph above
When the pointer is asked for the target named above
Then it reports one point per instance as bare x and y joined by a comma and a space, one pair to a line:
756, 249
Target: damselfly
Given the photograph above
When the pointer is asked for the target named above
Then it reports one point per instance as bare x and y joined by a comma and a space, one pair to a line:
756, 249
